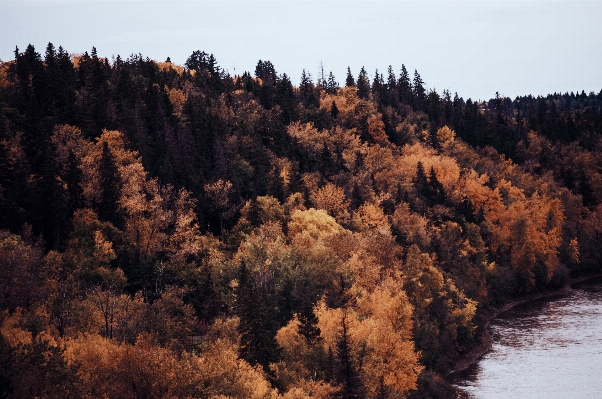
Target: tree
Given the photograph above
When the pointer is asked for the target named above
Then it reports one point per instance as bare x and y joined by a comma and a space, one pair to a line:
418, 92
110, 187
334, 110
332, 85
404, 87
219, 193
307, 91
349, 82
363, 85
73, 179
257, 326
347, 374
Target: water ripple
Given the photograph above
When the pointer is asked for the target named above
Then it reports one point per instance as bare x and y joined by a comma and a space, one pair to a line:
543, 349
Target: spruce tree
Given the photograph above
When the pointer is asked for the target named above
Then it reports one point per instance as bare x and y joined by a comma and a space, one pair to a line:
73, 179
348, 375
332, 86
257, 327
404, 87
436, 191
349, 82
419, 93
363, 85
334, 110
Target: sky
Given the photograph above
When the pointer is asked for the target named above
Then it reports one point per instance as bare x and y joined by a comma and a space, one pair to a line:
474, 48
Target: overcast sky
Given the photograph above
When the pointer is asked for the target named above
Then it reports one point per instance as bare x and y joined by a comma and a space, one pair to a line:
472, 48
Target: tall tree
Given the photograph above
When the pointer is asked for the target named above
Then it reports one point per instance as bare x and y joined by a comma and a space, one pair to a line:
257, 326
347, 373
418, 91
349, 82
404, 87
363, 85
332, 85
110, 187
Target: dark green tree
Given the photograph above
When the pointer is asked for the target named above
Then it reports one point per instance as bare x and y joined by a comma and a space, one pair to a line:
255, 308
349, 82
331, 85
307, 91
363, 85
404, 87
418, 92
334, 110
348, 375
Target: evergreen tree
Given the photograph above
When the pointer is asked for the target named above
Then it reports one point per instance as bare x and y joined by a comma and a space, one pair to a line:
420, 180
307, 91
363, 85
391, 79
418, 92
110, 187
332, 86
349, 82
285, 98
257, 325
334, 110
404, 87
73, 179
347, 373
379, 89
391, 88
436, 191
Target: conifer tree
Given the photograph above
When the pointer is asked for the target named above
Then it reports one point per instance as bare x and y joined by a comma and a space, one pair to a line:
332, 85
349, 82
257, 325
436, 188
404, 87
73, 179
307, 91
334, 110
110, 187
363, 85
418, 92
347, 374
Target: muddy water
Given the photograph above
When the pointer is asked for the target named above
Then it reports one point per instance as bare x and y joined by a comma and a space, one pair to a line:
543, 349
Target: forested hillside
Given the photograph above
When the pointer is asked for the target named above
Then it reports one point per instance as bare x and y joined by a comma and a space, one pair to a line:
173, 231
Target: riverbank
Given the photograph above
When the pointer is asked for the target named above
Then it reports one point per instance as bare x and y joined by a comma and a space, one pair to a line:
487, 341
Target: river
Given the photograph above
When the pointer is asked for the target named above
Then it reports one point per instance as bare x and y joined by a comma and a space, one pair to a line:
543, 349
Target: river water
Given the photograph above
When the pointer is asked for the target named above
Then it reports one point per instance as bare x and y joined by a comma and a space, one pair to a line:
543, 349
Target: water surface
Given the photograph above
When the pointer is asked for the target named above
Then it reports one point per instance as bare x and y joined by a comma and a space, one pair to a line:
543, 349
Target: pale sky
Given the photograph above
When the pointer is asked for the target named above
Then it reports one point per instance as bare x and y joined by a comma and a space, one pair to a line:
474, 48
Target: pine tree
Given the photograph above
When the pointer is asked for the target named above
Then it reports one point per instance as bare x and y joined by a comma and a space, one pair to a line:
73, 179
334, 110
391, 88
378, 88
391, 79
404, 87
418, 92
349, 82
347, 373
332, 86
363, 85
285, 98
110, 187
436, 191
257, 326
307, 91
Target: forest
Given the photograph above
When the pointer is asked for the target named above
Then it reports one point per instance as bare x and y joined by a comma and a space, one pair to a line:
172, 231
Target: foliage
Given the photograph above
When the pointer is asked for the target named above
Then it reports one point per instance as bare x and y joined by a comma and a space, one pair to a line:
174, 231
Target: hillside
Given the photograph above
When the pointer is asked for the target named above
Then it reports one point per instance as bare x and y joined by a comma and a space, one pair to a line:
174, 231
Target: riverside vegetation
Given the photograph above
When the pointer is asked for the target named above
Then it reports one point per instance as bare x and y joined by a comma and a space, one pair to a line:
173, 231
